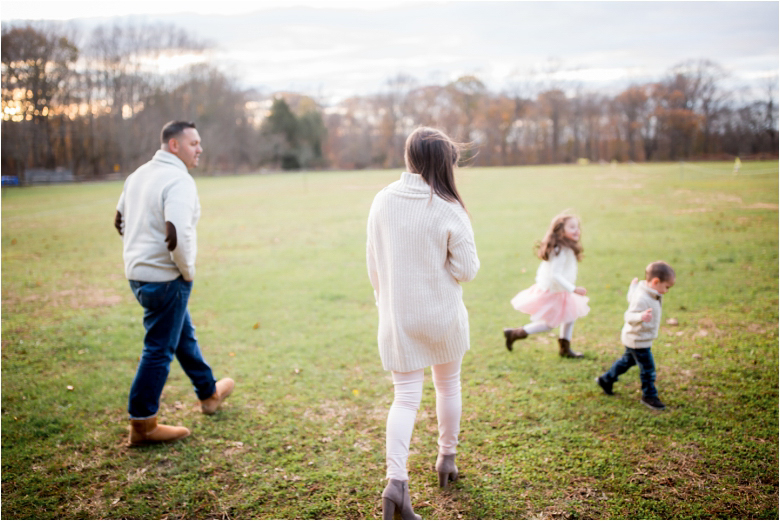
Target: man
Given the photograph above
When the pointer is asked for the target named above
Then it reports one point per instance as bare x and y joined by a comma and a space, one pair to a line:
156, 217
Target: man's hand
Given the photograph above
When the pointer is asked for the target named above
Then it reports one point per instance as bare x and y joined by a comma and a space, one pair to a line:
118, 222
170, 235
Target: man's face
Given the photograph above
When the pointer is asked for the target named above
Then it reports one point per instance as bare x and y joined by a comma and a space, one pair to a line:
186, 146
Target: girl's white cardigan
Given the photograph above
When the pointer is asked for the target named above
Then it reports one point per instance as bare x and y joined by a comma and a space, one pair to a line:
559, 273
419, 248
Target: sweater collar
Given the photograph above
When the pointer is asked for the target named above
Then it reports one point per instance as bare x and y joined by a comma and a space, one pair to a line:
414, 183
650, 291
170, 159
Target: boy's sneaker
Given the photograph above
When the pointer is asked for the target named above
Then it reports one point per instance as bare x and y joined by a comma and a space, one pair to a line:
653, 403
605, 386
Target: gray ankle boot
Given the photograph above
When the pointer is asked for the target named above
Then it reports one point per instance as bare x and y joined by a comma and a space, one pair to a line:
445, 466
396, 503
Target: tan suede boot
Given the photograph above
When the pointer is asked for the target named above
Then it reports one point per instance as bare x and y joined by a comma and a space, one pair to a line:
143, 432
514, 334
565, 349
224, 388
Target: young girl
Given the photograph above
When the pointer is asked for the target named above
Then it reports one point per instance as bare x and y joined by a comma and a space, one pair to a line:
555, 299
420, 248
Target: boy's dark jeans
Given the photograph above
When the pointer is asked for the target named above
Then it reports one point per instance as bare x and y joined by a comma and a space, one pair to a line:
644, 359
169, 333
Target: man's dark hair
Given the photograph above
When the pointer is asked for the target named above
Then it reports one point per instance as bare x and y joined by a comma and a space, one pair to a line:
173, 129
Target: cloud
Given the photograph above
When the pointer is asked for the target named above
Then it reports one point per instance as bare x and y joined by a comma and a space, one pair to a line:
341, 48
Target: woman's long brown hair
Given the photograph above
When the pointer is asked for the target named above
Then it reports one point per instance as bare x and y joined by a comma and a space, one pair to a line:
433, 155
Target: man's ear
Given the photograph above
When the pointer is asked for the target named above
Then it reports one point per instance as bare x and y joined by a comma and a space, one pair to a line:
173, 145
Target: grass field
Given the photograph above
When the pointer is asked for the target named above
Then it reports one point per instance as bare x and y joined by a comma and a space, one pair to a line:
282, 304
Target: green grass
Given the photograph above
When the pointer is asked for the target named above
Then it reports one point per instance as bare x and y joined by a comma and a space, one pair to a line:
282, 304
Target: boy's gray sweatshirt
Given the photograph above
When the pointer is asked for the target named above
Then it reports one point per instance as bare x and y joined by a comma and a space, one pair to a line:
637, 334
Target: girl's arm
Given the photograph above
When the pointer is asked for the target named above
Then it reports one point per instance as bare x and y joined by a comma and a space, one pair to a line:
557, 262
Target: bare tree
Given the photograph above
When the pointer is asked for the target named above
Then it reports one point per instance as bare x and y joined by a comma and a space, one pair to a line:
393, 126
37, 63
468, 95
632, 103
695, 86
89, 102
498, 123
555, 107
351, 136
121, 70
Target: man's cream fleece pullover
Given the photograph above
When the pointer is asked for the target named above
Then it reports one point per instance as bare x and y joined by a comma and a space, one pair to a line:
159, 191
419, 248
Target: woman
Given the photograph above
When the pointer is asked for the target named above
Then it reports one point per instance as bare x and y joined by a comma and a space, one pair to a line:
420, 247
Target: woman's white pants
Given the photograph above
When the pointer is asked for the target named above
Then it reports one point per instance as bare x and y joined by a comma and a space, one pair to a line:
400, 420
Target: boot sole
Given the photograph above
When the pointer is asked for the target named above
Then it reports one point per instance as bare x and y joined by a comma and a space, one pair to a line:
143, 443
147, 443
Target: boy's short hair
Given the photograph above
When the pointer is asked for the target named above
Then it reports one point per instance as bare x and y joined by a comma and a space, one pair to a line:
660, 270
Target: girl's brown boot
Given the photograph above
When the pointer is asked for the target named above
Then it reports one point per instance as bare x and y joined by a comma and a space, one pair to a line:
514, 334
565, 349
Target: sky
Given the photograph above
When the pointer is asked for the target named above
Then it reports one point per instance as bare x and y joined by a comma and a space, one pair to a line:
334, 49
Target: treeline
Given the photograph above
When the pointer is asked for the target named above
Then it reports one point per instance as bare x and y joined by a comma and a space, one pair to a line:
94, 104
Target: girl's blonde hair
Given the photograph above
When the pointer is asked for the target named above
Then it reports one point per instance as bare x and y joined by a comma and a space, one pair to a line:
554, 239
432, 154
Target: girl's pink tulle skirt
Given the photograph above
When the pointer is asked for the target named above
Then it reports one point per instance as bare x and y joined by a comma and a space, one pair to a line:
551, 307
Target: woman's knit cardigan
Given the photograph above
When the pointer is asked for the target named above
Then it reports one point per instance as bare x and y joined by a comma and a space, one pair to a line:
420, 247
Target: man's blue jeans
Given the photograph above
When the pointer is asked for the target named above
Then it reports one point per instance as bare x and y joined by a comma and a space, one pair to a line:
644, 359
169, 333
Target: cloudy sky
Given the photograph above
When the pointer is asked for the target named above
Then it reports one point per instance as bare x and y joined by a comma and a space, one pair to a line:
337, 48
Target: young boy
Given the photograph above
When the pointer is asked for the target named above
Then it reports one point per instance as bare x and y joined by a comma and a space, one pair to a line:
643, 318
